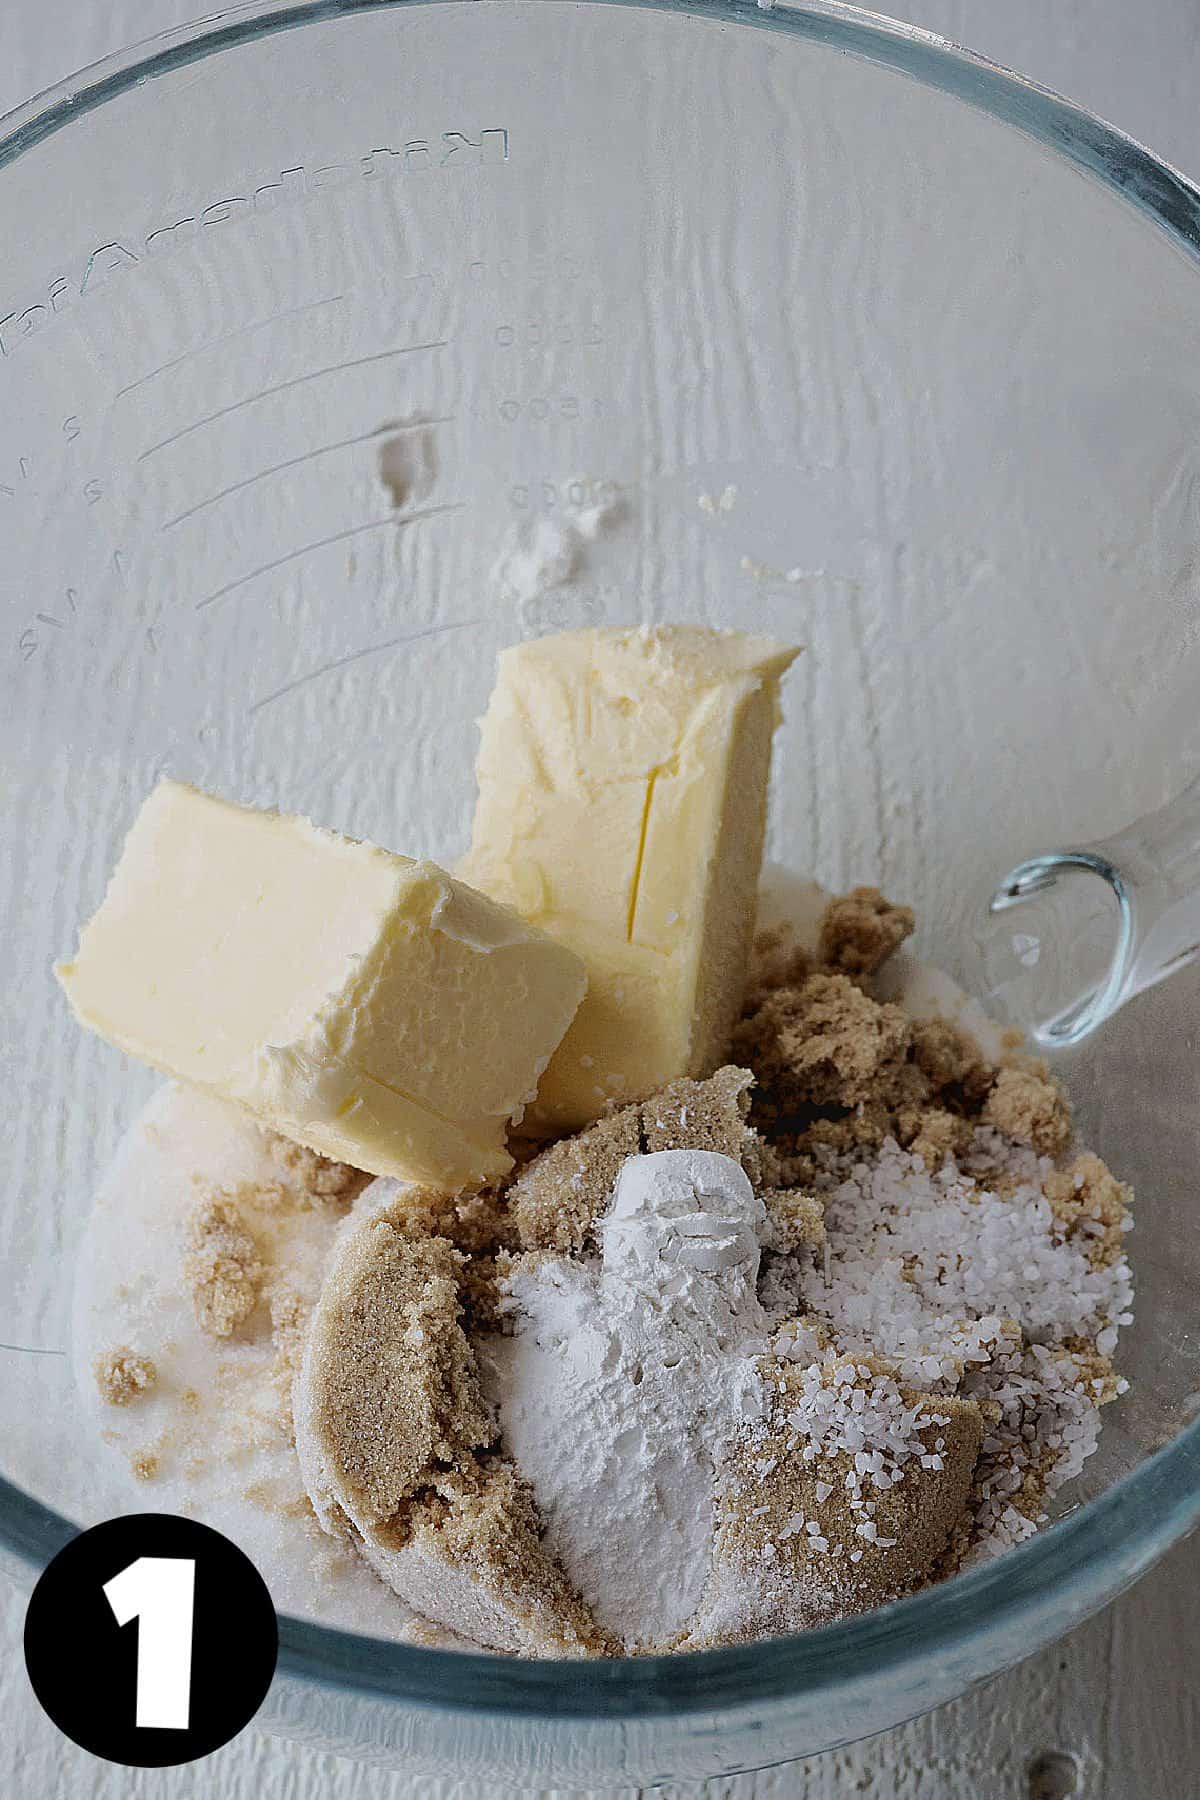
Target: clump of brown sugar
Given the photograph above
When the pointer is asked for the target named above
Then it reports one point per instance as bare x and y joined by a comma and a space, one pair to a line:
838, 1071
144, 1464
1089, 1202
289, 1328
1028, 1107
223, 1270
860, 930
824, 1043
123, 1375
397, 1437
315, 1175
795, 1220
951, 1062
776, 961
933, 1134
559, 1197
393, 1374
813, 1523
483, 1523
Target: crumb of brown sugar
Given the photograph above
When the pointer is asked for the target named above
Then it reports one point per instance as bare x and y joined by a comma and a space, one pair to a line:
795, 1220
1089, 1201
314, 1174
1029, 1109
824, 1043
289, 1321
949, 1057
144, 1464
933, 1134
123, 1375
223, 1270
283, 1502
861, 929
776, 961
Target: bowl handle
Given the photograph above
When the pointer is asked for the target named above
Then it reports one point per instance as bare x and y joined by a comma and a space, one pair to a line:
1068, 936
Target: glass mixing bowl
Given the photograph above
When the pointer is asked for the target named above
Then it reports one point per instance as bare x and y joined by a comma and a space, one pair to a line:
303, 312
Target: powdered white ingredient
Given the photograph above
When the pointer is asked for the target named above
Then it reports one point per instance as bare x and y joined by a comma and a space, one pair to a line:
548, 552
625, 1380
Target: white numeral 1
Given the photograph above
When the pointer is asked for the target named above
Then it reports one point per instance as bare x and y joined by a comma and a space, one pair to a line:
158, 1591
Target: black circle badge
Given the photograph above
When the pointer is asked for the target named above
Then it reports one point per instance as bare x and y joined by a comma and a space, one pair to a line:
151, 1640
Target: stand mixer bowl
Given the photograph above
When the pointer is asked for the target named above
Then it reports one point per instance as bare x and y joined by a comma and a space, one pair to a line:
342, 345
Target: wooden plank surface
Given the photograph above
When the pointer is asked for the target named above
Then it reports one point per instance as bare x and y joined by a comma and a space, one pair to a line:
1114, 1709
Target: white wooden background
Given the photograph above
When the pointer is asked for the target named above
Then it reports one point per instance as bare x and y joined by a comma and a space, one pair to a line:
1112, 1713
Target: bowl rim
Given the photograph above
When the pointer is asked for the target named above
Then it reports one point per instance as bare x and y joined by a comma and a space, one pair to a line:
996, 1613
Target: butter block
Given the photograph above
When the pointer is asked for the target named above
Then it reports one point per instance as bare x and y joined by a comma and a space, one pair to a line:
622, 805
368, 1005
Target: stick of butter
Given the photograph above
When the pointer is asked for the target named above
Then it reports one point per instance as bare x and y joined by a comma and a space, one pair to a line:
370, 1006
622, 806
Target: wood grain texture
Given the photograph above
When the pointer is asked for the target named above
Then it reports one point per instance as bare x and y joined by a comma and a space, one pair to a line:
1120, 1694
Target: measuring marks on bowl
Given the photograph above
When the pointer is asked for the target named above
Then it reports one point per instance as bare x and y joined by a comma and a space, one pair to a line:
259, 485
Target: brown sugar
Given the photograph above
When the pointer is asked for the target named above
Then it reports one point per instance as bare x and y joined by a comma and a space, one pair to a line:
1029, 1109
860, 930
776, 961
264, 1197
144, 1464
838, 1072
701, 1115
824, 1043
1088, 1201
483, 1522
559, 1197
406, 1440
933, 1134
223, 1270
795, 1220
123, 1375
801, 1538
289, 1323
482, 1223
316, 1175
394, 1379
950, 1059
